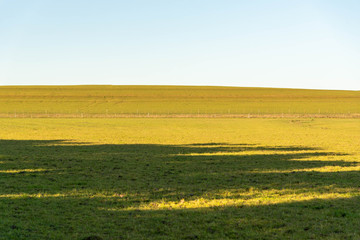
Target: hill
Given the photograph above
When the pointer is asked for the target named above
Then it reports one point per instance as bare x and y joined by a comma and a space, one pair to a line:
122, 101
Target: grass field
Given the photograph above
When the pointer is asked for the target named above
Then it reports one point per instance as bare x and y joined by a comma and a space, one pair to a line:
179, 178
120, 101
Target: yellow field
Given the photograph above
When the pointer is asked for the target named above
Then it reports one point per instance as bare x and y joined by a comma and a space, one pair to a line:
180, 178
120, 101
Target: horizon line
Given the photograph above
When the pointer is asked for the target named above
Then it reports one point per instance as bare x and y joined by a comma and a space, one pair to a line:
171, 85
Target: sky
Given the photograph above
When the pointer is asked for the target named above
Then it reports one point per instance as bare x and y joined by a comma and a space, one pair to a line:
249, 43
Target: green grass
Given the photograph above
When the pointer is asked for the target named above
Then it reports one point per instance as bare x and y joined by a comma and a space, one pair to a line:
50, 101
179, 178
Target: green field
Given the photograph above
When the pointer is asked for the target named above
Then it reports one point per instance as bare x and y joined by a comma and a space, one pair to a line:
118, 101
176, 178
81, 161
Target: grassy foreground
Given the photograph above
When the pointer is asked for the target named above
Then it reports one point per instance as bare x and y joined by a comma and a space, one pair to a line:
179, 178
120, 101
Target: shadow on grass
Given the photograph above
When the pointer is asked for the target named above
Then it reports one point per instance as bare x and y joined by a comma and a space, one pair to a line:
63, 190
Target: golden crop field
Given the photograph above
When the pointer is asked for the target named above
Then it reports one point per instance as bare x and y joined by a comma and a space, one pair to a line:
179, 178
120, 101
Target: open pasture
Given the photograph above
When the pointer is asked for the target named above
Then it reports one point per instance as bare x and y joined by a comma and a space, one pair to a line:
179, 178
120, 101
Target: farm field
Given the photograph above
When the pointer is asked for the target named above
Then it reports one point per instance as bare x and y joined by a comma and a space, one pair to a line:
169, 101
179, 178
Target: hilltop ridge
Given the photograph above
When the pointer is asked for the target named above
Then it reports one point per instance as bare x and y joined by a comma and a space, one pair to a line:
172, 101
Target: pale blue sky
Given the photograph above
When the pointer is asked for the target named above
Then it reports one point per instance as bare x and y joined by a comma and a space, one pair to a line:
258, 43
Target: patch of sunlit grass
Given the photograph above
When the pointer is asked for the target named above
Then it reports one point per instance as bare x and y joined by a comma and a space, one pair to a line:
251, 198
247, 153
71, 194
320, 169
25, 170
64, 143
